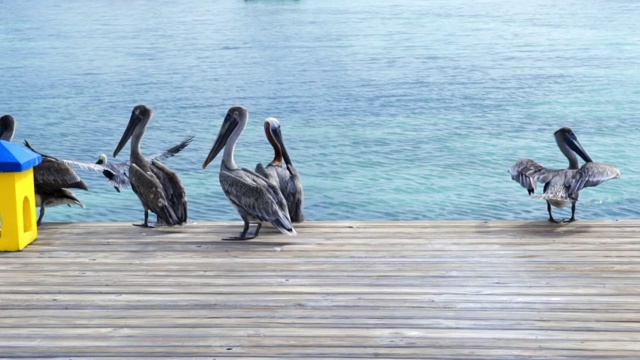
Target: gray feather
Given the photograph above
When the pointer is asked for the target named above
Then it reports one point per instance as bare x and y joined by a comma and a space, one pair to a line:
151, 194
256, 197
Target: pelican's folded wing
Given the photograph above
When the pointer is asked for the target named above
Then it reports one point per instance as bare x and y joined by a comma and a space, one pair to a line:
254, 195
173, 190
528, 172
151, 193
591, 174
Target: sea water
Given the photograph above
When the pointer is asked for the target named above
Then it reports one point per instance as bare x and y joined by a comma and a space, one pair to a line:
389, 109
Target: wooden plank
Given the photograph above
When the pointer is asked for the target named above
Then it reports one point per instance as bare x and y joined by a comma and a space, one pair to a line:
349, 289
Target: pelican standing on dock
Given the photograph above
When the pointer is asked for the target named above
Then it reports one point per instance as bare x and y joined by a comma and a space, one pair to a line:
52, 179
158, 188
255, 198
288, 180
562, 187
7, 128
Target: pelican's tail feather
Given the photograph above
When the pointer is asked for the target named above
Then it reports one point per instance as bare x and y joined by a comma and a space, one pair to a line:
285, 226
547, 196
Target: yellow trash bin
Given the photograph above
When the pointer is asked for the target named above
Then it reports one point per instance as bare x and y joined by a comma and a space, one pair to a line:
17, 197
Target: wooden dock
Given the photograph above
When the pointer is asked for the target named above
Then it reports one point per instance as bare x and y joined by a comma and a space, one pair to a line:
338, 290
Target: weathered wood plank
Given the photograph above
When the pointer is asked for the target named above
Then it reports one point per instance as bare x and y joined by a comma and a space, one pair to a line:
349, 289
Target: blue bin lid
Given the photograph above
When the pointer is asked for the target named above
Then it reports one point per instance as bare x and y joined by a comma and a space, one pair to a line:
14, 158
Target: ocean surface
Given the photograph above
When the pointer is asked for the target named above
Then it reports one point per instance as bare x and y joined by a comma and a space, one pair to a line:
390, 109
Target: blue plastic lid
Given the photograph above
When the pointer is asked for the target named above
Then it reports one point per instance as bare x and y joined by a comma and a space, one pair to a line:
14, 158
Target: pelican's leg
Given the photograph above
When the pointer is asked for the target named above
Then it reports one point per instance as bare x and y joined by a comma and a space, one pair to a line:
255, 233
243, 235
41, 215
146, 220
551, 216
573, 212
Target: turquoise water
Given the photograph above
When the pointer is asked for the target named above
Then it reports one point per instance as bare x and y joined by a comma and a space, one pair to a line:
390, 110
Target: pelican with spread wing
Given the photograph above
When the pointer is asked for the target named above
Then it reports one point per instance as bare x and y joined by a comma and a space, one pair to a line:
117, 172
562, 187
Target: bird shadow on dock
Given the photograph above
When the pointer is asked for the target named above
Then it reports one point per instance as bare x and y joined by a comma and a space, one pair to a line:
543, 227
205, 236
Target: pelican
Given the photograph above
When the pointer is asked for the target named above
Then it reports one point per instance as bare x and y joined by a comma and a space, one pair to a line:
118, 172
158, 188
287, 180
7, 128
52, 179
562, 187
255, 198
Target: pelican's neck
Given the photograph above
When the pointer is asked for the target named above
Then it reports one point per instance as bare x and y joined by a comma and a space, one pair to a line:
7, 136
230, 147
277, 151
571, 156
136, 156
8, 132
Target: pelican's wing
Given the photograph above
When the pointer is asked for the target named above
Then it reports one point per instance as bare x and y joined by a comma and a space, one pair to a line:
271, 186
172, 151
86, 166
120, 176
115, 172
260, 170
52, 174
173, 190
256, 196
528, 172
291, 186
66, 193
151, 193
591, 174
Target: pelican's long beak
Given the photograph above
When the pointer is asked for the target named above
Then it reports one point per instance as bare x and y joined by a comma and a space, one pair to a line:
277, 135
228, 126
134, 121
574, 144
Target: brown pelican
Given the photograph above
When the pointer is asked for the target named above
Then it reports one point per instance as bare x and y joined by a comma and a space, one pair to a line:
118, 172
52, 179
287, 180
255, 198
561, 187
158, 188
7, 128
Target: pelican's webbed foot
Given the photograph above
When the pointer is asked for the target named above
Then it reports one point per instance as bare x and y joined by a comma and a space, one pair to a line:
145, 224
573, 213
243, 236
